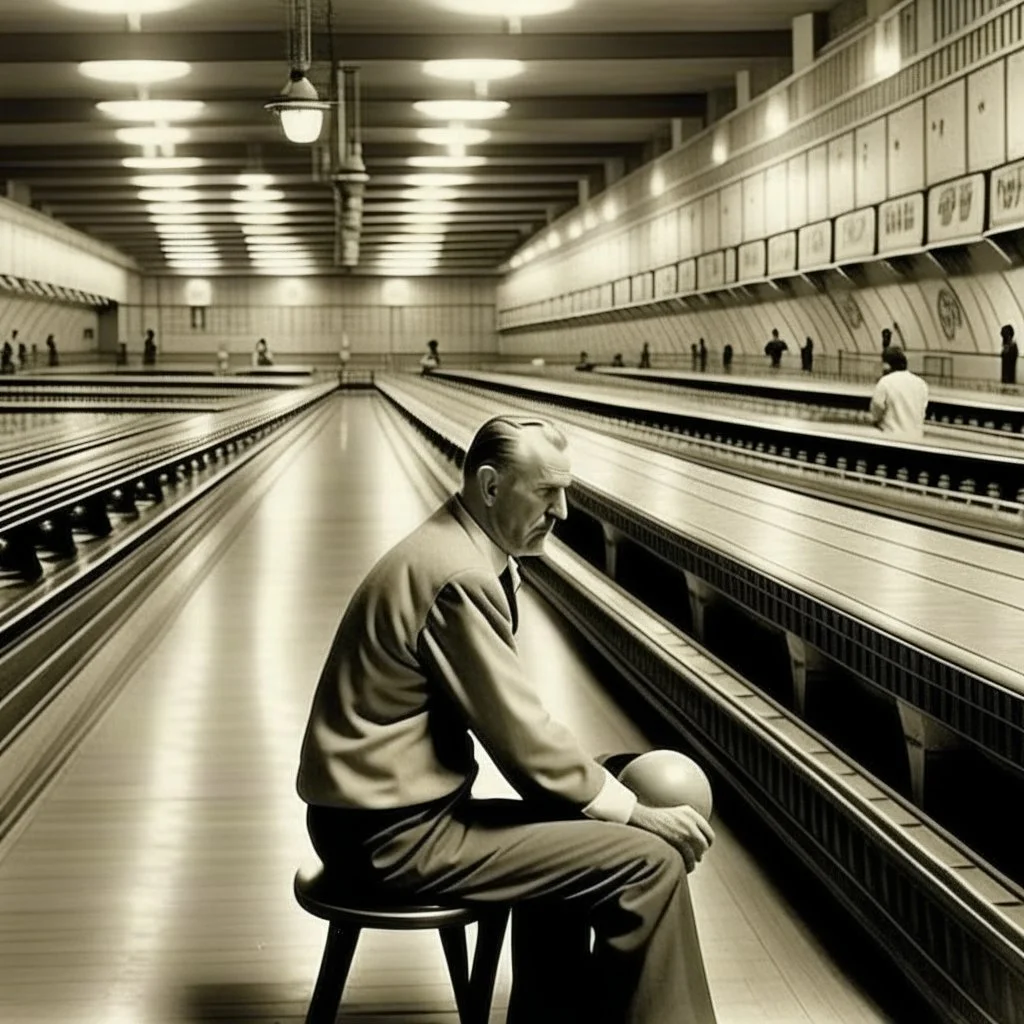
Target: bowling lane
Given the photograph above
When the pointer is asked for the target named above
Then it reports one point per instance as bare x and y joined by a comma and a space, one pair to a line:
152, 884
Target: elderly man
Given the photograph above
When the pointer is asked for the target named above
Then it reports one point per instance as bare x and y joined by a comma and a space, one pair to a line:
426, 654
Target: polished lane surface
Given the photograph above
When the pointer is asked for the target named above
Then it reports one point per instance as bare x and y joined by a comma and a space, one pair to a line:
152, 885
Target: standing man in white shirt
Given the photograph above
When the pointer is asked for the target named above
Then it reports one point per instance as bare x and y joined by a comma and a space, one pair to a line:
425, 654
900, 400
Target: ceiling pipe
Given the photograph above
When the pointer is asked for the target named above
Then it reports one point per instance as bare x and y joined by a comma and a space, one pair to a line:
348, 171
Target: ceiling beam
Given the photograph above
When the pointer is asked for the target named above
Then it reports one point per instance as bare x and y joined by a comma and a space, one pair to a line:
236, 47
392, 113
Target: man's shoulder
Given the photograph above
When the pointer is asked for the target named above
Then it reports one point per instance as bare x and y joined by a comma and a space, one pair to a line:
439, 547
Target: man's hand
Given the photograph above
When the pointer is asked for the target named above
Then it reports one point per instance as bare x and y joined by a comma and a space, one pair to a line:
681, 827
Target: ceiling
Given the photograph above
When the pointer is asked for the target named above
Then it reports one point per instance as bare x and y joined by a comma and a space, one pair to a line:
600, 86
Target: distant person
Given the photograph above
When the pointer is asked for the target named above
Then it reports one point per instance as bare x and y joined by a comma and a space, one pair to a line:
35, 355
617, 359
584, 364
774, 349
1008, 356
262, 355
645, 357
22, 355
223, 359
149, 349
7, 358
702, 356
432, 360
694, 356
807, 356
344, 356
727, 358
886, 338
900, 400
53, 359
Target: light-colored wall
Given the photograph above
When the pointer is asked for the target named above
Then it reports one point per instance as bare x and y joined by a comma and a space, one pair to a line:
34, 319
958, 316
39, 248
307, 315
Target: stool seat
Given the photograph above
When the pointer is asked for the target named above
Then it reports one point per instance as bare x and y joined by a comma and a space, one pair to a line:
347, 912
325, 896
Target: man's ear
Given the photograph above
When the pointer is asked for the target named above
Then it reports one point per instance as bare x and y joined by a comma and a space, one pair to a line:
487, 481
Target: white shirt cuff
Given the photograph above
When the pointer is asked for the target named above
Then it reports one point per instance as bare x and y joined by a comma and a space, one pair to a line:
613, 803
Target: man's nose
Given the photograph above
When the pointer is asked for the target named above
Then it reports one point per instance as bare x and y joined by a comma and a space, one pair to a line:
560, 508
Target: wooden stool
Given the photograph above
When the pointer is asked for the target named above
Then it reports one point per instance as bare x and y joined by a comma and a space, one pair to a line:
322, 897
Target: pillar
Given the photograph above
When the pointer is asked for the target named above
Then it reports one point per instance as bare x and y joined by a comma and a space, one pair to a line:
807, 666
702, 595
612, 536
582, 191
614, 169
805, 38
742, 89
924, 736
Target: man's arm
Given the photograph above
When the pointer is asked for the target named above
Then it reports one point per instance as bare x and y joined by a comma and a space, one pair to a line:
467, 644
879, 402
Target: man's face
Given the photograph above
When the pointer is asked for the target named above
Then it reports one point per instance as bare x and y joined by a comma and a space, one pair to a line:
530, 495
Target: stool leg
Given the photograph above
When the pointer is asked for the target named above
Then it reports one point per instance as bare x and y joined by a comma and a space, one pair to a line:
453, 939
490, 936
334, 968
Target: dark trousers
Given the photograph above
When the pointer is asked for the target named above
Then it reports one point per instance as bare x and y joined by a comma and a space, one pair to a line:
562, 876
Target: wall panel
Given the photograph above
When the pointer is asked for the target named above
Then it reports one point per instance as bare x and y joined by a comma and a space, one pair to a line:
986, 117
817, 184
776, 200
1014, 92
906, 149
797, 191
946, 133
870, 165
731, 207
753, 207
840, 175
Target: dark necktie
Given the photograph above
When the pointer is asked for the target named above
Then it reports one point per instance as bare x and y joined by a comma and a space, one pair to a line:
506, 584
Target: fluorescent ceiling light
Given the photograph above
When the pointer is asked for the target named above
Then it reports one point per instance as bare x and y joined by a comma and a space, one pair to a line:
168, 195
257, 195
182, 230
429, 206
135, 72
273, 240
438, 180
474, 70
176, 220
162, 163
461, 110
453, 135
151, 110
153, 135
417, 240
253, 180
425, 228
123, 7
428, 194
447, 160
428, 220
165, 181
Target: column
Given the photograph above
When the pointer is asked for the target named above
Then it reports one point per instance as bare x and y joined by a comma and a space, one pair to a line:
924, 736
582, 191
742, 89
614, 169
702, 595
807, 666
805, 33
612, 536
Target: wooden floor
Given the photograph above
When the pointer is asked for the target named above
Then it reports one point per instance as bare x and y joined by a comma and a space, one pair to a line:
153, 883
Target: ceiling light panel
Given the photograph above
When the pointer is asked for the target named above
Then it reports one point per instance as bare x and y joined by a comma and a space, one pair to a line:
135, 72
508, 8
474, 70
151, 110
461, 110
257, 195
169, 195
162, 163
165, 181
255, 180
153, 135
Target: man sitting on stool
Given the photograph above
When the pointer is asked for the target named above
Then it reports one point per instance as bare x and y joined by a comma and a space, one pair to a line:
900, 400
425, 653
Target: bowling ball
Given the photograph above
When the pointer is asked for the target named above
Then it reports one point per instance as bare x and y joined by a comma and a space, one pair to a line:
666, 778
